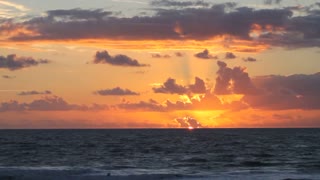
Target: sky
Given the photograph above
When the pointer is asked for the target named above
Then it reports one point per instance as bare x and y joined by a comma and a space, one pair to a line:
159, 64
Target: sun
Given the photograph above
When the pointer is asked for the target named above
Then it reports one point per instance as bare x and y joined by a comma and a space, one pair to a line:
190, 128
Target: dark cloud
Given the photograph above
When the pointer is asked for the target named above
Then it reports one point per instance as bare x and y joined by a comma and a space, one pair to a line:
160, 56
230, 55
169, 3
205, 55
150, 105
233, 80
13, 62
249, 59
28, 93
285, 92
52, 103
278, 26
116, 92
196, 23
198, 87
103, 57
8, 77
171, 87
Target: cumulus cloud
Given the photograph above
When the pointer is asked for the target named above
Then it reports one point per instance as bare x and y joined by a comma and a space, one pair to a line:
198, 87
230, 55
13, 62
103, 57
171, 87
233, 80
28, 93
249, 59
205, 55
116, 92
49, 103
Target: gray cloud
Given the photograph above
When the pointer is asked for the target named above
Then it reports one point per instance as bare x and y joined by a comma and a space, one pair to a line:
196, 24
205, 55
116, 92
230, 55
28, 93
13, 62
103, 57
150, 105
52, 103
249, 59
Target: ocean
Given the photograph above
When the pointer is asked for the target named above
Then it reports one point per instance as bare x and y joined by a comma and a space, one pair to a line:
283, 154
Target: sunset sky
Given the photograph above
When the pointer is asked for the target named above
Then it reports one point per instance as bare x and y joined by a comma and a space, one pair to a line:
159, 63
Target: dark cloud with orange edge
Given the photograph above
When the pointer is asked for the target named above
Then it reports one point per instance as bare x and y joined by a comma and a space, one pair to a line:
170, 86
270, 26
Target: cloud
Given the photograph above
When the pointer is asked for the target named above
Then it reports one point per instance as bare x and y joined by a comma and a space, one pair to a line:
286, 92
186, 122
103, 57
50, 103
171, 87
160, 56
233, 80
230, 55
198, 87
116, 92
205, 55
8, 77
275, 27
249, 59
28, 93
169, 3
13, 62
150, 105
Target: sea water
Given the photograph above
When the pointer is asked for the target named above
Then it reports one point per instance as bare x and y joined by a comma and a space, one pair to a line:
160, 154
